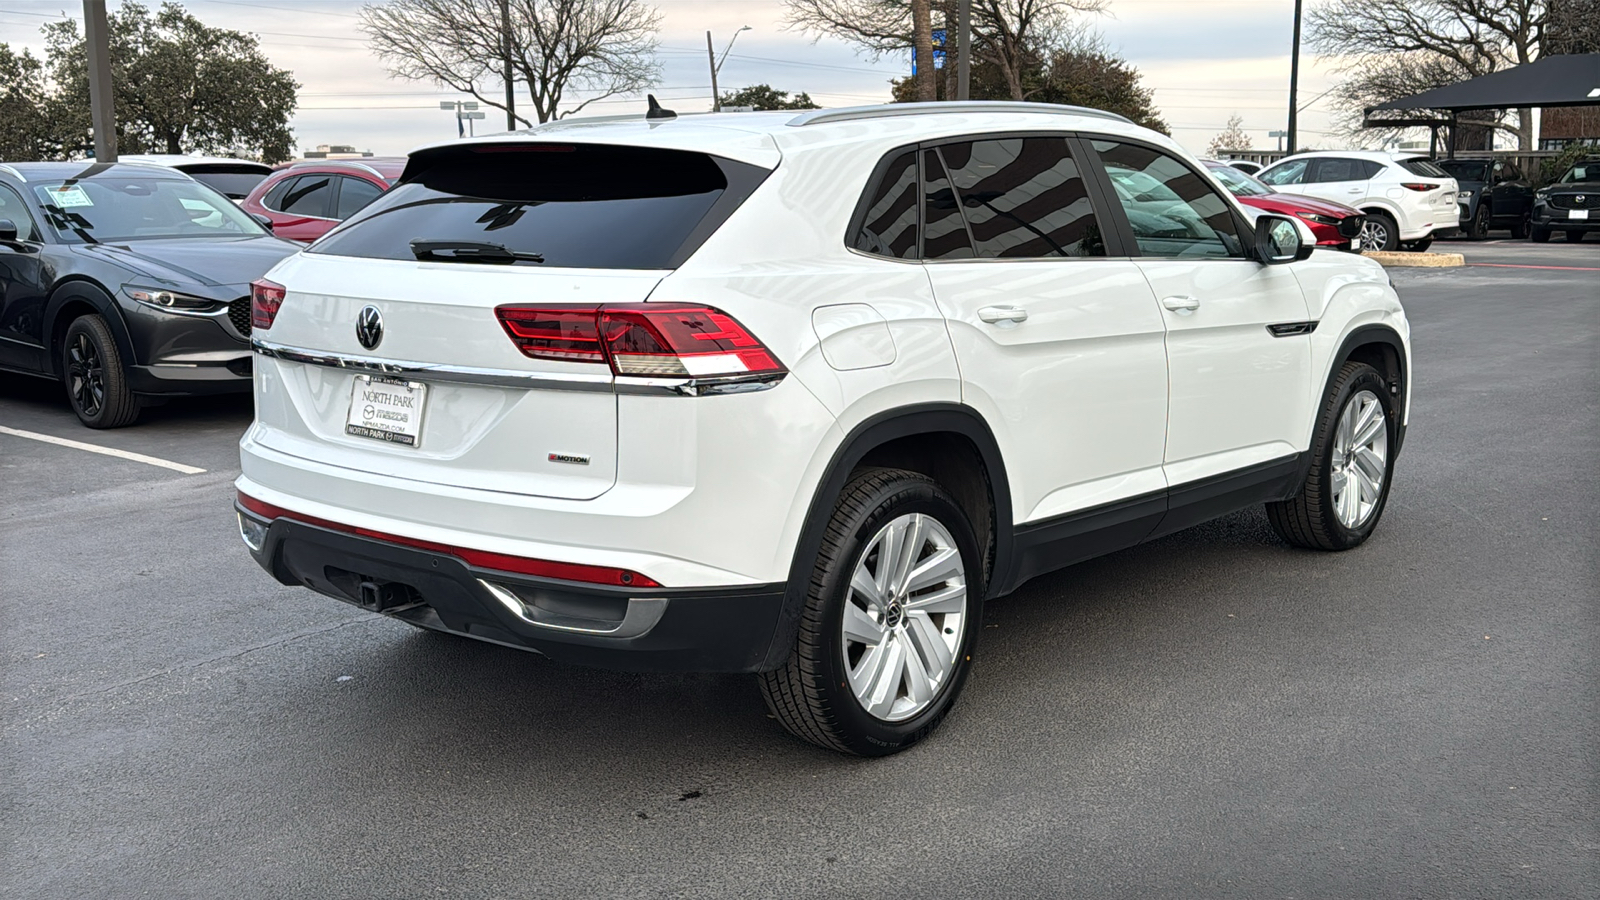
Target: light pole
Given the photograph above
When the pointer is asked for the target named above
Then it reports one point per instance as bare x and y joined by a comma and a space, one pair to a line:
101, 111
716, 64
464, 113
1294, 78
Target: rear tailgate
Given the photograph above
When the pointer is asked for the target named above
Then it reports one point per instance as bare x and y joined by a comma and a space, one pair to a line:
553, 436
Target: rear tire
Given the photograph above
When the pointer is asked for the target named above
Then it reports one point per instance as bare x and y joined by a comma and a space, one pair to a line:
1379, 233
1352, 464
1519, 227
881, 655
91, 370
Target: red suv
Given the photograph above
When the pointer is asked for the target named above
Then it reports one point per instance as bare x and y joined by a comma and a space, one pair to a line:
305, 200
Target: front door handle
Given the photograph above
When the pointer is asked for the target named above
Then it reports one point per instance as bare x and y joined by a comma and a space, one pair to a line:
997, 314
1181, 304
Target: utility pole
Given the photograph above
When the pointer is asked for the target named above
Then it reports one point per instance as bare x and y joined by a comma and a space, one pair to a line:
505, 51
102, 110
716, 64
711, 54
1294, 81
964, 52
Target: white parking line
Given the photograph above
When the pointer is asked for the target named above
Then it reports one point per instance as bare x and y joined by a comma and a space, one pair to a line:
106, 451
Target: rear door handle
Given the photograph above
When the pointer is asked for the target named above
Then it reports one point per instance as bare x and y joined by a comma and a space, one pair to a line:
1181, 304
996, 314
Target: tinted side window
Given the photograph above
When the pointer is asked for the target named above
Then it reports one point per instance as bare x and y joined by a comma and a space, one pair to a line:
1337, 169
1173, 211
273, 198
944, 234
308, 196
355, 193
11, 207
1288, 173
1422, 167
889, 225
1023, 198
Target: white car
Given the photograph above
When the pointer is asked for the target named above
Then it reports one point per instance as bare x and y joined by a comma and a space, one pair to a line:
797, 394
233, 178
1408, 200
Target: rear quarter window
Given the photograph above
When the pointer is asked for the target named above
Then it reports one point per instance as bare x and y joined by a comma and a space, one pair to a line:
1422, 167
574, 205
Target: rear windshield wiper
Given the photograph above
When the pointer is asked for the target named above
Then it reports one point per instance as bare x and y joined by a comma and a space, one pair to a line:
470, 251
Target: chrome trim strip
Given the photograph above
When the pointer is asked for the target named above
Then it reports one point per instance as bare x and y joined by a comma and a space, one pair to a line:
548, 381
435, 372
642, 615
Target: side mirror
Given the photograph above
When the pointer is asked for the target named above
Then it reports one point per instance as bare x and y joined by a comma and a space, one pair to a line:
263, 221
1278, 241
8, 230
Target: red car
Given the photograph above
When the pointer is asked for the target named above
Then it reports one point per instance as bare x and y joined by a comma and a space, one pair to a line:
305, 200
1334, 224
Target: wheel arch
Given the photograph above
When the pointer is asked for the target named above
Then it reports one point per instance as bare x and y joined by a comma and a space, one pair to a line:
948, 442
74, 297
1381, 347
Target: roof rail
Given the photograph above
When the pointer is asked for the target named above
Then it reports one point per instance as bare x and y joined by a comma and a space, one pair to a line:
853, 113
353, 163
14, 173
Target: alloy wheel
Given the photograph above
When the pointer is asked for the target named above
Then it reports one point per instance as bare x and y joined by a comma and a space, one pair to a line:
1360, 459
1374, 235
904, 617
86, 374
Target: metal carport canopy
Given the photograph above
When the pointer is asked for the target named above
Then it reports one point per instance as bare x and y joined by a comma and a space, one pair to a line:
1572, 80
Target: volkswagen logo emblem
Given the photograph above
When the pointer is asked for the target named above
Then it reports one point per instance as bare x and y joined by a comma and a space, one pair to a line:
369, 327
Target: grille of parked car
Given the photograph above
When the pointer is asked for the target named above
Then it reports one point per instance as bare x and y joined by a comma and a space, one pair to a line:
1350, 226
239, 315
1574, 201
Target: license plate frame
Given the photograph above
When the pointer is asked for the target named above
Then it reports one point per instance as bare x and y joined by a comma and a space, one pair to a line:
386, 409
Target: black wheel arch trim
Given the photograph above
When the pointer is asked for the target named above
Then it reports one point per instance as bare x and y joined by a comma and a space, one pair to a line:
100, 299
922, 418
1360, 337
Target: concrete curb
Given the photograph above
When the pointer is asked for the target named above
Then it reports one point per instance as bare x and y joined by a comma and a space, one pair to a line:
1416, 260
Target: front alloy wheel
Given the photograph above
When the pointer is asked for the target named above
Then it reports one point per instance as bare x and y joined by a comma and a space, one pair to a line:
91, 369
1360, 461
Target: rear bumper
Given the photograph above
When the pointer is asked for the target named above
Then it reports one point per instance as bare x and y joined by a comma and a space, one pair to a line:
723, 629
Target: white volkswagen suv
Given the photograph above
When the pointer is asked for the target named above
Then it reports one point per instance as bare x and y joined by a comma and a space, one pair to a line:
797, 394
1408, 200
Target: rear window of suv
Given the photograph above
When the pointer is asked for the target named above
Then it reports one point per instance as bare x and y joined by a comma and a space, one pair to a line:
1422, 167
567, 205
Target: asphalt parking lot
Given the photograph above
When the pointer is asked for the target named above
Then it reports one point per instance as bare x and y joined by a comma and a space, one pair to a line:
1210, 715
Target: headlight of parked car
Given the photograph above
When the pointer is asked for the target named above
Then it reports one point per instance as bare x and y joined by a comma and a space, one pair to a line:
1316, 217
1464, 196
172, 301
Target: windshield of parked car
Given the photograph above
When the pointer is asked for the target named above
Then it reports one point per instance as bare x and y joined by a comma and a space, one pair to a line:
1588, 170
1239, 183
568, 205
1465, 170
122, 208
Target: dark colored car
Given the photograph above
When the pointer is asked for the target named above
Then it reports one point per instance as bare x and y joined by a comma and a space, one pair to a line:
1571, 204
1334, 224
127, 282
1492, 194
305, 200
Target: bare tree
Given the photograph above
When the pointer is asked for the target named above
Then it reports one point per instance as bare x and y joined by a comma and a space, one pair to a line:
1468, 37
1232, 137
601, 48
1010, 34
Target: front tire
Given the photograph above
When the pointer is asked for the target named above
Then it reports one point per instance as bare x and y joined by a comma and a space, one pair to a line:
1574, 237
1478, 229
96, 382
891, 617
1352, 462
1538, 235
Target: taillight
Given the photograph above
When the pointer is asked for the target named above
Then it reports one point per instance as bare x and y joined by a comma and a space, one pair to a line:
645, 339
1420, 186
265, 299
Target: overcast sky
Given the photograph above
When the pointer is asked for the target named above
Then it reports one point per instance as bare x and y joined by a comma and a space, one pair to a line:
1206, 59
